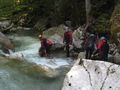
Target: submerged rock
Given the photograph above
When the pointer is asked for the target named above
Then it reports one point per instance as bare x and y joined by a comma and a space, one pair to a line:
48, 72
92, 75
30, 69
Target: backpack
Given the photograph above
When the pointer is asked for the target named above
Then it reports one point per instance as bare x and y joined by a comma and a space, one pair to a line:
90, 43
105, 48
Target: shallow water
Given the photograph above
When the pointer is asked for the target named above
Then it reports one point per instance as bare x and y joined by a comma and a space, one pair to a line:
13, 77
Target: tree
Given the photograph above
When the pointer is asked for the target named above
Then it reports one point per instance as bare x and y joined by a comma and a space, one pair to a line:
88, 12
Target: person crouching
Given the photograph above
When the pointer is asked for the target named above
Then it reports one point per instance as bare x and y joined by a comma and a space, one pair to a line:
46, 45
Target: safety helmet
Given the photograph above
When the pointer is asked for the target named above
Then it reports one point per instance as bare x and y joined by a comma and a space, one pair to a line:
40, 36
66, 28
102, 38
92, 35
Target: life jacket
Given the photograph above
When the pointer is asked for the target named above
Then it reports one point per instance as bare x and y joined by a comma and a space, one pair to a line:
45, 43
49, 42
42, 44
68, 37
100, 46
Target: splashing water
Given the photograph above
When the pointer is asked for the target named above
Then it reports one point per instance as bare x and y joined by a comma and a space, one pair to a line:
28, 46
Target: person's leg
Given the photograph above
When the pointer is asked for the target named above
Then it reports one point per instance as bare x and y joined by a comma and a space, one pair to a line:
90, 53
87, 53
67, 50
48, 49
42, 52
104, 57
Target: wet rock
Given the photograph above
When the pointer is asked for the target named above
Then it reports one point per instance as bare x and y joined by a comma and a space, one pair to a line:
4, 24
30, 69
81, 55
16, 56
92, 75
47, 71
57, 40
5, 43
112, 48
54, 30
19, 28
27, 28
55, 35
111, 58
117, 58
13, 29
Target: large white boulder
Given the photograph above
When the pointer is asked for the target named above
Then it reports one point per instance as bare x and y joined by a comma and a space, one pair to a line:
93, 75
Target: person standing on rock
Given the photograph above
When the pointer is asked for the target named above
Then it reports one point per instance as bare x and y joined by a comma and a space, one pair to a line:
45, 46
67, 40
90, 46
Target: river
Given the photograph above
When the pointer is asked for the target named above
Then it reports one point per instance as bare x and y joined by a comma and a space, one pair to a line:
23, 75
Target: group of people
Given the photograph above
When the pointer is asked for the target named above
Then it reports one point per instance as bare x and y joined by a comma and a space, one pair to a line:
95, 49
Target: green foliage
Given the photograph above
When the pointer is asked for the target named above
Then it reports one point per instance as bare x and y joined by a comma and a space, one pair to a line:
57, 11
115, 20
102, 7
102, 24
20, 8
102, 12
6, 7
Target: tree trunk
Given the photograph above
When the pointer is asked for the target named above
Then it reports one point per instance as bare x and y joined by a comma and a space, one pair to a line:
88, 11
